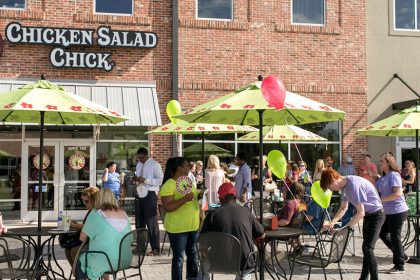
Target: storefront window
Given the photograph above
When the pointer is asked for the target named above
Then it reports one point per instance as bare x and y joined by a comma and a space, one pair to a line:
60, 131
114, 7
10, 132
10, 179
124, 155
329, 130
311, 152
225, 151
12, 4
123, 133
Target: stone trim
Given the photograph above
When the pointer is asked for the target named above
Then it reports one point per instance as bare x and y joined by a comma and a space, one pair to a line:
308, 29
112, 19
214, 24
22, 14
298, 88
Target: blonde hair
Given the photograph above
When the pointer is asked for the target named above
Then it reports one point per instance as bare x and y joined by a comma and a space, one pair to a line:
105, 200
90, 193
213, 162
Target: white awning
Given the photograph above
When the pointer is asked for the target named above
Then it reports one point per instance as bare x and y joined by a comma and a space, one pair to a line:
138, 101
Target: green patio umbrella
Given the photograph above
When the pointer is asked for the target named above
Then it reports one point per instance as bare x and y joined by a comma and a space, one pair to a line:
247, 106
196, 149
404, 123
45, 102
283, 133
183, 127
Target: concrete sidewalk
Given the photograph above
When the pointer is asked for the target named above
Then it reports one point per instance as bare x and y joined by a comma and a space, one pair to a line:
159, 267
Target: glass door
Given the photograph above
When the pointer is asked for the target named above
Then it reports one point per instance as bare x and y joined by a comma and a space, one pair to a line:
68, 169
30, 176
77, 173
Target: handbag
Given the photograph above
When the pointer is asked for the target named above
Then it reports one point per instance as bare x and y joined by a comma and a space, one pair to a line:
270, 187
69, 240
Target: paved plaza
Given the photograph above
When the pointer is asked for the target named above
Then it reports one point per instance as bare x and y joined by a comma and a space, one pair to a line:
159, 267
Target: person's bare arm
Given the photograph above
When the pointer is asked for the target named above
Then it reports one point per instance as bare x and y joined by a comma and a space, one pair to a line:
83, 236
340, 213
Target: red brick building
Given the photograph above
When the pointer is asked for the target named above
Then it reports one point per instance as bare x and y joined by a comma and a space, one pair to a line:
317, 49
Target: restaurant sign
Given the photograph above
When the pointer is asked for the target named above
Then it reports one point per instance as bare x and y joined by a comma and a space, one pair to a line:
63, 38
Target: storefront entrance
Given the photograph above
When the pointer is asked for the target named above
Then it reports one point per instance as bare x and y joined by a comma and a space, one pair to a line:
68, 168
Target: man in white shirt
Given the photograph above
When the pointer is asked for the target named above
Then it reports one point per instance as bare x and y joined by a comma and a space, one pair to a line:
149, 178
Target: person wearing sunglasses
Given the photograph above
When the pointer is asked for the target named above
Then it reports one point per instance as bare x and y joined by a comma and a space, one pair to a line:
87, 197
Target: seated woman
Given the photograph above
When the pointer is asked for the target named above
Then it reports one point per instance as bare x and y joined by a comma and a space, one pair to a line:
105, 226
292, 206
88, 198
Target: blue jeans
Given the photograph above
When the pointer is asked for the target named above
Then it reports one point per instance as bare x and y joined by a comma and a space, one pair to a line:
180, 242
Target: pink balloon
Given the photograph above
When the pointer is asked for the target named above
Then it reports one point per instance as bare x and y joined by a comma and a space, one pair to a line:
274, 91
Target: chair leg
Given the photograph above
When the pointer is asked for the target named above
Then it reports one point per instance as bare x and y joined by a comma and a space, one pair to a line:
325, 274
291, 271
309, 273
164, 240
339, 270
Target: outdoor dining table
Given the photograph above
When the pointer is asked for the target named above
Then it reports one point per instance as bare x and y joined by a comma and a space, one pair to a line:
32, 233
271, 237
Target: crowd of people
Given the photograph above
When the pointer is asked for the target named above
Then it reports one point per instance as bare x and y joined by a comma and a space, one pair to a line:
376, 198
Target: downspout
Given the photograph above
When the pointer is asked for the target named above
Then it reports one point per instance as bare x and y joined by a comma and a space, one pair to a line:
175, 65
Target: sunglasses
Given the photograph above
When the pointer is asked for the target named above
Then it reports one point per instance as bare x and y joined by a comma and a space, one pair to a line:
85, 201
301, 165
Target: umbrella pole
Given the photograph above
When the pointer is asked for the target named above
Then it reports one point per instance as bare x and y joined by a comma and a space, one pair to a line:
416, 258
260, 182
202, 155
40, 177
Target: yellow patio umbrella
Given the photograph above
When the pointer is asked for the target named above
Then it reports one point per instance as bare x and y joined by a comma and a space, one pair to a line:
404, 123
183, 127
45, 102
248, 106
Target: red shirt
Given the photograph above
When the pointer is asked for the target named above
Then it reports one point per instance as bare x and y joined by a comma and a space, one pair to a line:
288, 210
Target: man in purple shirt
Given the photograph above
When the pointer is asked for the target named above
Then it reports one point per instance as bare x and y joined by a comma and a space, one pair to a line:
242, 179
363, 196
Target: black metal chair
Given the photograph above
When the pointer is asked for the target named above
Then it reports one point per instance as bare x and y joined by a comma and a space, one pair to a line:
165, 236
132, 250
338, 245
15, 260
220, 253
267, 206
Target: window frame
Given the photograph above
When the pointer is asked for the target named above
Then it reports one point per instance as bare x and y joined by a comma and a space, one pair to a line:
308, 24
16, 9
394, 21
113, 14
216, 19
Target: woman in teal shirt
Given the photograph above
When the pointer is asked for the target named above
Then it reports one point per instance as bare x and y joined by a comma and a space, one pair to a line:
105, 226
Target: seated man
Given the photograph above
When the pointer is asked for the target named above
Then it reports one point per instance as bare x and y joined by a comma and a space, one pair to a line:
294, 198
313, 218
234, 219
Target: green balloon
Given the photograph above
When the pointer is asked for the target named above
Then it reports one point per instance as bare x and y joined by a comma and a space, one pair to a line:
173, 108
321, 197
277, 163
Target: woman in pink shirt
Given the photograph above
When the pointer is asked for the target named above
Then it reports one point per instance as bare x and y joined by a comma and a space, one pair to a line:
368, 170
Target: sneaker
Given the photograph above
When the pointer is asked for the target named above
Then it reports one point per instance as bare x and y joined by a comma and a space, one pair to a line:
395, 271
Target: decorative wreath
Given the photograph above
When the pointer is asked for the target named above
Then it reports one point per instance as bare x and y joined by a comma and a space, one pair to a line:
184, 184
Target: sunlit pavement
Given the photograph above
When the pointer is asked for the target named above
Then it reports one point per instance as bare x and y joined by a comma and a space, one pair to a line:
159, 267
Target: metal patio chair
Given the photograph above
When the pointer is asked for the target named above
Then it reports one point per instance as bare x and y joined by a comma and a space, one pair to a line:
338, 245
221, 253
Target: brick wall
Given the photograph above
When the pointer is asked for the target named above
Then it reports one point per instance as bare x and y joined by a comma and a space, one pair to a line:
325, 63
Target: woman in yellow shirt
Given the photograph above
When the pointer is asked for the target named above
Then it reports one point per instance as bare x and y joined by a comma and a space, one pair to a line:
179, 200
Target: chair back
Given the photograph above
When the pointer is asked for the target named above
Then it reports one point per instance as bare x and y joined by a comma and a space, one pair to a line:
126, 257
297, 220
219, 253
15, 258
339, 244
266, 206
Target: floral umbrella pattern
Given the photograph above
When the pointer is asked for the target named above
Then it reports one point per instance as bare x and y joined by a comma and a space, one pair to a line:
183, 127
24, 104
405, 123
240, 107
283, 133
